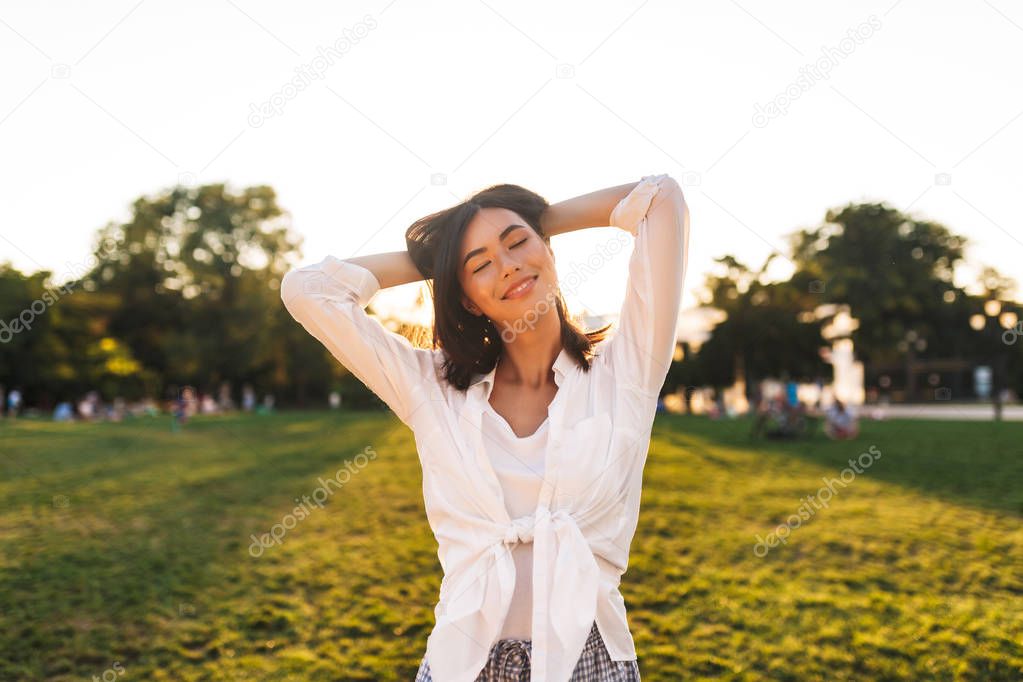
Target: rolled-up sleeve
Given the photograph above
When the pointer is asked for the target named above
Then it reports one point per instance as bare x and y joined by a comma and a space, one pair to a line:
329, 299
656, 214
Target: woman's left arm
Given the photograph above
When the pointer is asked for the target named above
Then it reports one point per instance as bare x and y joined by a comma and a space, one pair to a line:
655, 212
585, 210
657, 215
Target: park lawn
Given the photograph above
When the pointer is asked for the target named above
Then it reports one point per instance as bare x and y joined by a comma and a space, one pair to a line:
126, 548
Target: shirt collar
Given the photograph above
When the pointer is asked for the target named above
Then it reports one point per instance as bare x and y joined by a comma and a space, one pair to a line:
562, 364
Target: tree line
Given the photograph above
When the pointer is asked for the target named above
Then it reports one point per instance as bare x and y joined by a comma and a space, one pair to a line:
186, 292
895, 275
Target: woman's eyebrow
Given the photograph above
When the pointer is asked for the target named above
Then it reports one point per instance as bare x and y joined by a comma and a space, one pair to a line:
504, 233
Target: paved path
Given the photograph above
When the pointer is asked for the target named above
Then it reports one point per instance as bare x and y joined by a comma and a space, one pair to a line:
973, 412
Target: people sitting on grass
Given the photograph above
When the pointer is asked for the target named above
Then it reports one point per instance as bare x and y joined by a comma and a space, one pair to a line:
840, 423
777, 418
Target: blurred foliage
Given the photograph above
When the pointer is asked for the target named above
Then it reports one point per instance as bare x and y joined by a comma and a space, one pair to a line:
185, 292
893, 274
764, 333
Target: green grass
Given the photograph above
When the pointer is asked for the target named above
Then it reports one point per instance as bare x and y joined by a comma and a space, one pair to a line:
128, 545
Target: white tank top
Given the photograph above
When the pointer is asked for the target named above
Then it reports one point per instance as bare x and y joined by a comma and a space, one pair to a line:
519, 465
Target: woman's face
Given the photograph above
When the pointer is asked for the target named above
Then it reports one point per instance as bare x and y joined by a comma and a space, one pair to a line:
498, 250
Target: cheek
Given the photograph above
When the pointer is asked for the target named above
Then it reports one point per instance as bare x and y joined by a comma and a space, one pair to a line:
479, 288
550, 269
482, 283
538, 258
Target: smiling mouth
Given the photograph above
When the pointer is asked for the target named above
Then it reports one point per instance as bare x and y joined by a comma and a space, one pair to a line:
520, 289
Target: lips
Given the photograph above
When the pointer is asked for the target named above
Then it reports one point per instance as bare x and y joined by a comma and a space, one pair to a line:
520, 287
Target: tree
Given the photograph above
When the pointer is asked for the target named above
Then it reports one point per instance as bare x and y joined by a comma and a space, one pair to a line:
769, 329
896, 274
190, 265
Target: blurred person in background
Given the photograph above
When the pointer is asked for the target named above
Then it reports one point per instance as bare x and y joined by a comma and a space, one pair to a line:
13, 403
840, 424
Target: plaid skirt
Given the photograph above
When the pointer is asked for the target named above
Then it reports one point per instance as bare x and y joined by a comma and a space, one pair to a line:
508, 661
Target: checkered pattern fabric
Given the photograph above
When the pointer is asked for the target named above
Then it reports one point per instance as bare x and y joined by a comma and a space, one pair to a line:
509, 662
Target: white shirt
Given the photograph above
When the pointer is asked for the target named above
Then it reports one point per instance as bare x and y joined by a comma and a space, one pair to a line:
597, 441
519, 465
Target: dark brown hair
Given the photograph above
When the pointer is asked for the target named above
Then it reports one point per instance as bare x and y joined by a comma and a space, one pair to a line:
472, 344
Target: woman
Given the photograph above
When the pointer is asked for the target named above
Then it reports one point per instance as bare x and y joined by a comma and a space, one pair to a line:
532, 434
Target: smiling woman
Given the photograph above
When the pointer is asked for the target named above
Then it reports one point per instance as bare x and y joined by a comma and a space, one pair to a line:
532, 443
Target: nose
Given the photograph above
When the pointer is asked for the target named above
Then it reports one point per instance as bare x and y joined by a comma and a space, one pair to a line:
511, 269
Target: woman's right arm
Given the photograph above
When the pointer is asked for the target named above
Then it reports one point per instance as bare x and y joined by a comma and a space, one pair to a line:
390, 269
329, 299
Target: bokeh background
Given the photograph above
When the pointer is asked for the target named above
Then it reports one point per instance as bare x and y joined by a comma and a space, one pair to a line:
850, 345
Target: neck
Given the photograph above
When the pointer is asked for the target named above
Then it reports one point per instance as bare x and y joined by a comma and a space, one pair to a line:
528, 359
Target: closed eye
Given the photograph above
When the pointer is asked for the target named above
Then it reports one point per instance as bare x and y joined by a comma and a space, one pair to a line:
518, 243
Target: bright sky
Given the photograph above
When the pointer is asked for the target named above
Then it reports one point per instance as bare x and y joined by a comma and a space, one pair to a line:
910, 102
